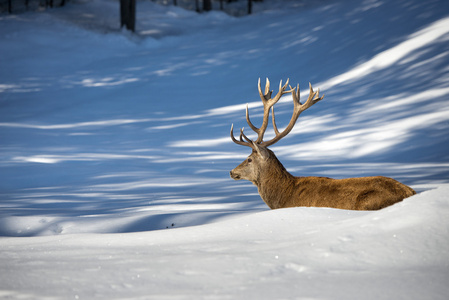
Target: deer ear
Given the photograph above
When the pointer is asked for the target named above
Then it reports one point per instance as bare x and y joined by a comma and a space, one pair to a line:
262, 151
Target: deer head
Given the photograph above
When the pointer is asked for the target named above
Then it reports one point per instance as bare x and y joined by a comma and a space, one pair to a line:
263, 160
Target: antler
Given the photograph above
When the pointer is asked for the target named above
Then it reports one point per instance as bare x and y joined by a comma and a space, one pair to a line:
298, 108
248, 142
268, 104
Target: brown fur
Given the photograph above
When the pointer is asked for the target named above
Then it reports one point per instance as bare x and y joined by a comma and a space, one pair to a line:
279, 189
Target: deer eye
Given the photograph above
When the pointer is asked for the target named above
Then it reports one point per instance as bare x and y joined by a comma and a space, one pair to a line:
250, 160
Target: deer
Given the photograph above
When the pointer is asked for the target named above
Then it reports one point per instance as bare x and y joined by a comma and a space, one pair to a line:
279, 189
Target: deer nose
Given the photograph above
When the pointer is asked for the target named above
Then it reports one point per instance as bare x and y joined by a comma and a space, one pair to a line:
234, 176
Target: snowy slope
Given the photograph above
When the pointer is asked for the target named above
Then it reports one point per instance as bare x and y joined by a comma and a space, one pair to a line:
400, 252
107, 137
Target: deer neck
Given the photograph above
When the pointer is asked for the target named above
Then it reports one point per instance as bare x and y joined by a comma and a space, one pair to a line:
275, 185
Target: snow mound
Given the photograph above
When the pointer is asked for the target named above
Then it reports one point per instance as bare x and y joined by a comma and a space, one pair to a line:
285, 253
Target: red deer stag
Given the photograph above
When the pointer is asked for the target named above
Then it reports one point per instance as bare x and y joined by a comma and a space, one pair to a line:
279, 189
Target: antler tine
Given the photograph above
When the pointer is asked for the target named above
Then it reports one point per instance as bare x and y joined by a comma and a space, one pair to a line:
267, 95
313, 98
249, 122
295, 95
241, 142
267, 87
260, 90
244, 136
296, 102
276, 131
281, 92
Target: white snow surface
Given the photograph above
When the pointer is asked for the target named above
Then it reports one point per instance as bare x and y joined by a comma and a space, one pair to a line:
115, 151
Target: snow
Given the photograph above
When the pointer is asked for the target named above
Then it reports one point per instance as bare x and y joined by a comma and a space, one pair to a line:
115, 151
300, 253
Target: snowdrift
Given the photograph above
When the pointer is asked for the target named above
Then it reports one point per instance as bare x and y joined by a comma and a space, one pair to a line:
300, 253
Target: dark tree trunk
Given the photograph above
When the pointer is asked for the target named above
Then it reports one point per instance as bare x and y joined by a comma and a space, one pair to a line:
250, 5
128, 14
197, 4
207, 5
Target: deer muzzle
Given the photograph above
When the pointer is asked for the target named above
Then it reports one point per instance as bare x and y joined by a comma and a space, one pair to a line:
234, 175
